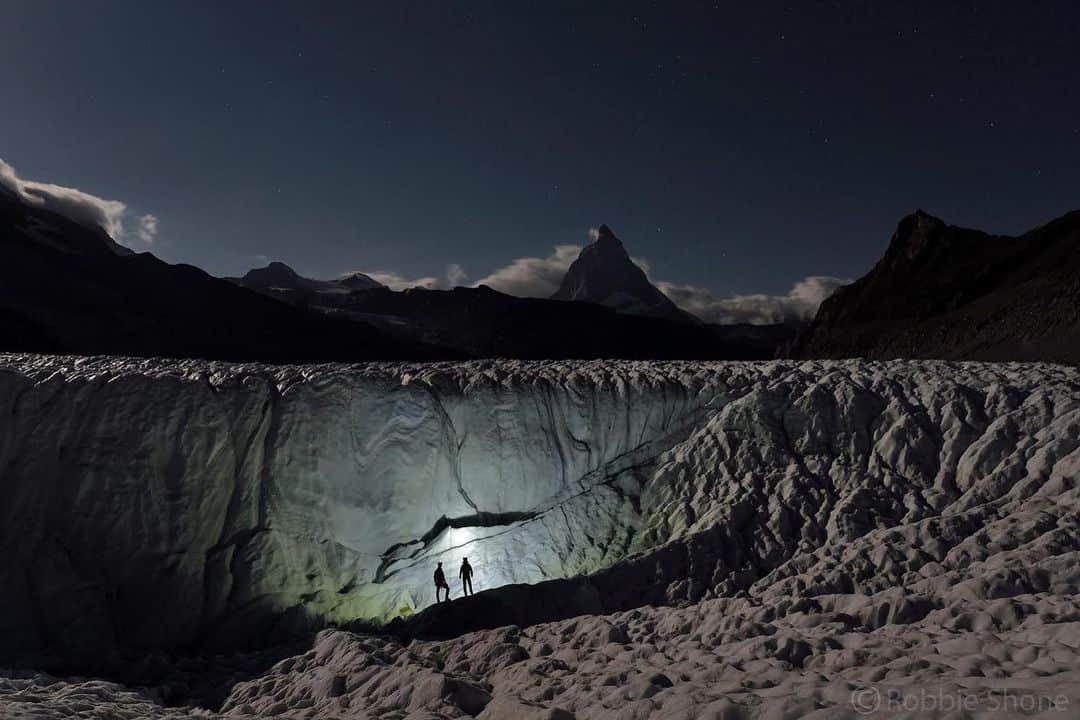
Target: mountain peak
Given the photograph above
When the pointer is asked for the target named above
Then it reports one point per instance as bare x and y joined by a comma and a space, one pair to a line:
605, 274
357, 280
605, 240
605, 233
915, 233
944, 291
277, 274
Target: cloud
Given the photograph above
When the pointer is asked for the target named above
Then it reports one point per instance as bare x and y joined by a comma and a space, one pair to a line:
398, 282
76, 205
800, 303
523, 277
147, 228
455, 275
533, 276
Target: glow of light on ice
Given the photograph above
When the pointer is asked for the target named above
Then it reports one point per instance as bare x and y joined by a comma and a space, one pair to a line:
489, 569
458, 543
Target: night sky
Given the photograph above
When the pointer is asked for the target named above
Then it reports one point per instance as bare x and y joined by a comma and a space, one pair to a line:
737, 147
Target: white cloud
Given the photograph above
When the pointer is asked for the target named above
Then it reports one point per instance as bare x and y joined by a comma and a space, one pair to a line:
455, 275
73, 204
148, 227
523, 277
398, 282
533, 276
800, 303
642, 263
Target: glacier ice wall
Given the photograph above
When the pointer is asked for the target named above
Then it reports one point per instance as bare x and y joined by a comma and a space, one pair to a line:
165, 504
902, 488
173, 504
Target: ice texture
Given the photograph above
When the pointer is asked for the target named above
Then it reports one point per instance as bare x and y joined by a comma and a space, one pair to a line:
181, 504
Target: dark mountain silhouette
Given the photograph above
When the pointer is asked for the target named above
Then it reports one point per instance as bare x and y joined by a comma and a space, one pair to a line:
943, 291
358, 281
482, 322
67, 288
277, 275
604, 274
279, 280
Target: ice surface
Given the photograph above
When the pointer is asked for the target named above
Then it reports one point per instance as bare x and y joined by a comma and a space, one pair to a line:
161, 504
175, 504
842, 530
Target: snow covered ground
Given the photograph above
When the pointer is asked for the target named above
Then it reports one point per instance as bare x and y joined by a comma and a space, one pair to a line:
820, 534
830, 656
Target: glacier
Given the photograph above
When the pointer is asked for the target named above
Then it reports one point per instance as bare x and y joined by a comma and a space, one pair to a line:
173, 504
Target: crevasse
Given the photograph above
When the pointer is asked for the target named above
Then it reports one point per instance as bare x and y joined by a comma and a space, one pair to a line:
187, 504
171, 503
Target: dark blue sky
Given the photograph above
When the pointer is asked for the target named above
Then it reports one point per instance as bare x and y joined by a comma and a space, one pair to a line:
737, 146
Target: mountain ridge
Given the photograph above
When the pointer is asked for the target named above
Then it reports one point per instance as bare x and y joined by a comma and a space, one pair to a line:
67, 288
943, 291
277, 276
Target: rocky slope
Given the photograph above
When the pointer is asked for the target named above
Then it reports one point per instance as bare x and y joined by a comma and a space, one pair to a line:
942, 291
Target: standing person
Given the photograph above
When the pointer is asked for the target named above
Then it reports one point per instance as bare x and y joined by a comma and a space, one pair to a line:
440, 584
466, 577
